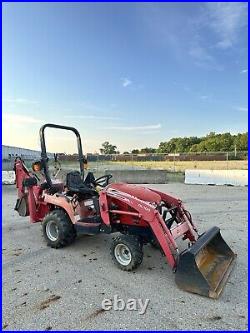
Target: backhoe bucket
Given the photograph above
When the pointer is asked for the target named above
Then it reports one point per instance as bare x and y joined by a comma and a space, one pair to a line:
205, 267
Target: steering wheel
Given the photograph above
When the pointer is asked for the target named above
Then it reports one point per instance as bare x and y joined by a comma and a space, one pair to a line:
103, 180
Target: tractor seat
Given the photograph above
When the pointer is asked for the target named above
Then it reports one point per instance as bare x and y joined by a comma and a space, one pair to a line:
75, 184
56, 186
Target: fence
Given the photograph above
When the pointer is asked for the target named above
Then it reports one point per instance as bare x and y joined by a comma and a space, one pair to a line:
201, 156
172, 162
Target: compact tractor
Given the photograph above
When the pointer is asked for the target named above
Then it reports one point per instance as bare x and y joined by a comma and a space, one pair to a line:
140, 215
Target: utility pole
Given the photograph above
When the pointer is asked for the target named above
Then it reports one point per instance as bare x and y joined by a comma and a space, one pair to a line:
235, 151
174, 159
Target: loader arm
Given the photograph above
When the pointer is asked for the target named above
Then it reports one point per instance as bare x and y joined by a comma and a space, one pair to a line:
182, 216
202, 268
146, 212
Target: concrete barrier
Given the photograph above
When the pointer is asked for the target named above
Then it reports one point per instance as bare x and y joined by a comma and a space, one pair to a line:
8, 177
145, 176
127, 176
217, 177
138, 176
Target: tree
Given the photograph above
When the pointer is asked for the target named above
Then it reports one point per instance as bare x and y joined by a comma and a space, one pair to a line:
241, 141
211, 142
178, 145
145, 150
108, 148
210, 135
148, 150
135, 151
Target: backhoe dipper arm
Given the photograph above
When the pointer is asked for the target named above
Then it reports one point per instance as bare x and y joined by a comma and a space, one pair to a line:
21, 173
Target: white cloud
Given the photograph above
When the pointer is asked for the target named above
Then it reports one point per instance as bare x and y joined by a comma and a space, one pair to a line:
91, 106
226, 19
148, 132
135, 128
126, 82
200, 53
23, 101
91, 117
204, 97
244, 71
17, 119
241, 108
208, 26
20, 130
94, 108
224, 44
203, 58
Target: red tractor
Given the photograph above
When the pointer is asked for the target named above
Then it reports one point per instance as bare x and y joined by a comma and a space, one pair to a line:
141, 216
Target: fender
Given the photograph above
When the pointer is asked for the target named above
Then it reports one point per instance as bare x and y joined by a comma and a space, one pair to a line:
61, 201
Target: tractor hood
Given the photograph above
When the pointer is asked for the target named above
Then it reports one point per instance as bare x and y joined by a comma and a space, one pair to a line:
140, 192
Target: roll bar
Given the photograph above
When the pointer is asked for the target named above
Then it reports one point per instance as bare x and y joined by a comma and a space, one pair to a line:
44, 156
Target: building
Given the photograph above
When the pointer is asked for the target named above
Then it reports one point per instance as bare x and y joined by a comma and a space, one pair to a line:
10, 152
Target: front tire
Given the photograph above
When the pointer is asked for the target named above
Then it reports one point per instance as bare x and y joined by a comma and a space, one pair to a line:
58, 230
126, 252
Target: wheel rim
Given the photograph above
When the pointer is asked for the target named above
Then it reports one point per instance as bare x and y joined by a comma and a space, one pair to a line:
123, 254
52, 230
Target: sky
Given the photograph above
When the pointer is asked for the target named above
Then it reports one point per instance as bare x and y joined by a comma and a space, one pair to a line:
133, 74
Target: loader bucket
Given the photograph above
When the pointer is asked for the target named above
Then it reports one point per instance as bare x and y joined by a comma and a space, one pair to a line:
205, 267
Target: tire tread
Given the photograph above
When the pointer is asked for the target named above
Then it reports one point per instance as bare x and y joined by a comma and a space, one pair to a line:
66, 229
135, 247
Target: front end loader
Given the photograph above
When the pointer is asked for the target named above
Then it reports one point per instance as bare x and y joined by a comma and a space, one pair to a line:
140, 215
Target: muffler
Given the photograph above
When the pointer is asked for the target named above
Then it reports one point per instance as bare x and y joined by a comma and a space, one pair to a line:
205, 267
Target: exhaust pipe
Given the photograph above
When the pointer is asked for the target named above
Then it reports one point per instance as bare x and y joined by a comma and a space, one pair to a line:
204, 268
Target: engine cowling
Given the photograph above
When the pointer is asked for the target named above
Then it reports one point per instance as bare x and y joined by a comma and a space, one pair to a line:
140, 192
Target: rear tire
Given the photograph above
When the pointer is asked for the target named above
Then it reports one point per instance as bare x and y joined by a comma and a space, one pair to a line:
126, 252
58, 230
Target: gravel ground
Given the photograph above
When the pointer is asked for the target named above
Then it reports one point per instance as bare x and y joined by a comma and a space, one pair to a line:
47, 289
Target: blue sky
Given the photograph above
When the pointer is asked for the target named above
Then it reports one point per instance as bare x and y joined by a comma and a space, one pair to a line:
134, 74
